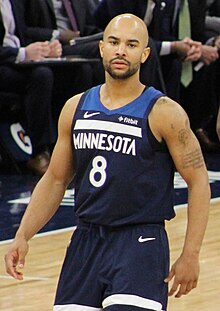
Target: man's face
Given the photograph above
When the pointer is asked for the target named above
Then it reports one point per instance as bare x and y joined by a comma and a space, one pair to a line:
123, 49
121, 65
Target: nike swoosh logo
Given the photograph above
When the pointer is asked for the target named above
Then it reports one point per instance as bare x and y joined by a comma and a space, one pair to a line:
142, 240
89, 115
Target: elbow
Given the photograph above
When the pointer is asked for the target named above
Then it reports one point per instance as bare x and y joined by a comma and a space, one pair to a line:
201, 187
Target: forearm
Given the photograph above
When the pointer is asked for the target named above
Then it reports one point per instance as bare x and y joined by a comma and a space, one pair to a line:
198, 210
44, 203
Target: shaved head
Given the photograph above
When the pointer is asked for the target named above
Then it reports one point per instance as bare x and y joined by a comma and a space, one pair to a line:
124, 46
131, 23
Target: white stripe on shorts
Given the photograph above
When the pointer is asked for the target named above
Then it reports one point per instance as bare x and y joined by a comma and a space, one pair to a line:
73, 307
132, 300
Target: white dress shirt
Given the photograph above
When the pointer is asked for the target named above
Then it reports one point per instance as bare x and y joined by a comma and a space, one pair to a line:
10, 39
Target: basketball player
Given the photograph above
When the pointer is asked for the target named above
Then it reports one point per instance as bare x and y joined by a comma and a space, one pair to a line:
121, 140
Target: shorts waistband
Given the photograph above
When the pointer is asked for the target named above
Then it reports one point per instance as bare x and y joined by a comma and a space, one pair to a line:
85, 225
104, 231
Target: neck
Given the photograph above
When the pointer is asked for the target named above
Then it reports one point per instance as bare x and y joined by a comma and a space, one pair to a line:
117, 93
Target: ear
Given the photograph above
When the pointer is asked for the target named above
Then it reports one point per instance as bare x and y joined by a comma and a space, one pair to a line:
101, 47
145, 54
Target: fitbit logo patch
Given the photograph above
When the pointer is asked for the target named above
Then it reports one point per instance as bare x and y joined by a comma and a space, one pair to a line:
128, 120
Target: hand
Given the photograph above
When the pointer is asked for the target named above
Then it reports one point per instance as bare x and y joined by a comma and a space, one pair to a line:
187, 49
55, 49
209, 54
181, 48
195, 51
185, 272
37, 50
15, 257
67, 35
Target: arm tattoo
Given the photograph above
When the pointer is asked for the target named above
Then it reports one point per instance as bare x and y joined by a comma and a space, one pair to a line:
193, 159
183, 136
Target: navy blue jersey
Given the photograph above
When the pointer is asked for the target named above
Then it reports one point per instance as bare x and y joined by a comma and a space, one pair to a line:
120, 178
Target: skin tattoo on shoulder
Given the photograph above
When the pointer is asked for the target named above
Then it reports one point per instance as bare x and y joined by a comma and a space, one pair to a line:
191, 159
163, 100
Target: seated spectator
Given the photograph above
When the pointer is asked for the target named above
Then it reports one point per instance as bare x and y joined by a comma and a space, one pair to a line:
200, 97
34, 85
158, 17
176, 52
35, 88
68, 80
48, 19
51, 19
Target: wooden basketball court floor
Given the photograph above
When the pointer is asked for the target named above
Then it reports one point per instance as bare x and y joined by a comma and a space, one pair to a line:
47, 249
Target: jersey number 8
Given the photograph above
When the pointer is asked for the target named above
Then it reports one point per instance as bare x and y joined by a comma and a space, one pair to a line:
97, 174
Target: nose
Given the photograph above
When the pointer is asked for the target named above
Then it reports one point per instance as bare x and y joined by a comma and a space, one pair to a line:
121, 50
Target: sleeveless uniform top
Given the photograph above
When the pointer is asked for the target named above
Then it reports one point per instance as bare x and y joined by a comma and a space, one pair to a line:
121, 179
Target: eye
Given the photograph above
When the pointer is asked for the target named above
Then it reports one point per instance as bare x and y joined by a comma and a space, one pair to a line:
131, 45
113, 42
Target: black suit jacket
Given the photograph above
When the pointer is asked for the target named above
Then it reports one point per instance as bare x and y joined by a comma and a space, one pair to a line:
214, 9
197, 14
162, 26
9, 54
107, 9
41, 21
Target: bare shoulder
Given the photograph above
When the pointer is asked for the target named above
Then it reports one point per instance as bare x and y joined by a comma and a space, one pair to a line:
169, 122
71, 105
168, 118
68, 111
166, 107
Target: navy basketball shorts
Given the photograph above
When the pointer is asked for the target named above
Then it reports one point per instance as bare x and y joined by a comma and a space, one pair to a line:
115, 269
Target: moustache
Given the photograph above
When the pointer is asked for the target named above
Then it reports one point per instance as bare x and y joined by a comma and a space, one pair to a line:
120, 59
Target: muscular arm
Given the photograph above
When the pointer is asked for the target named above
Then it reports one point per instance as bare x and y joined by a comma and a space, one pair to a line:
49, 191
47, 194
187, 156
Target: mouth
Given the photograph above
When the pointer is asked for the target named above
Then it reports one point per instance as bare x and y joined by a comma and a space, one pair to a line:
120, 64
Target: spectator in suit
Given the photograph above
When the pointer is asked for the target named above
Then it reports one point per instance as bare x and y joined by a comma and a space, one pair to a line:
197, 92
34, 85
68, 80
49, 20
200, 98
106, 10
163, 19
43, 19
197, 95
158, 16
